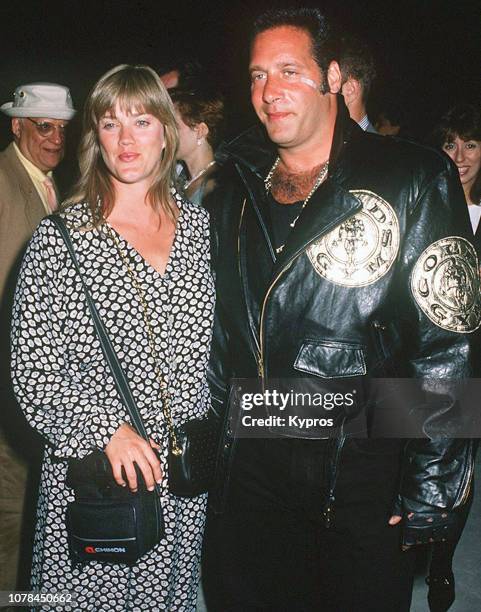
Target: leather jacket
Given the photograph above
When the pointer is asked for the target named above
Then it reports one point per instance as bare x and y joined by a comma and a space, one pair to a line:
297, 314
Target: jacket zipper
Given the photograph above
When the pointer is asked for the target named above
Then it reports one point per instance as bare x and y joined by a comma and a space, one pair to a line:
261, 326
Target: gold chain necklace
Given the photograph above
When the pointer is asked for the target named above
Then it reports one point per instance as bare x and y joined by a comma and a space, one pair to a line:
165, 395
188, 183
268, 179
320, 177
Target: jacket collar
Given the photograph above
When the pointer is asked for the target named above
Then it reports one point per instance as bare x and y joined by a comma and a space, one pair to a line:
251, 149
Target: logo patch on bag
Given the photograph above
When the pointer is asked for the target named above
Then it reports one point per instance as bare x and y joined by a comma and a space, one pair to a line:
92, 550
363, 248
445, 284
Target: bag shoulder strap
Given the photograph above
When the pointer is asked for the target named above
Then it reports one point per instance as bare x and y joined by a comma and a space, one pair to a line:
118, 374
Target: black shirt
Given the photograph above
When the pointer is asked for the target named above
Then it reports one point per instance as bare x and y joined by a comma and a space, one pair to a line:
282, 217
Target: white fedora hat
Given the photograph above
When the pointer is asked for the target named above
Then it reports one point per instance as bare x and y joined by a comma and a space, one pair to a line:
47, 100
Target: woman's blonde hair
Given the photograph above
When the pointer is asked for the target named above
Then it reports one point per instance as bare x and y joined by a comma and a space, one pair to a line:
133, 88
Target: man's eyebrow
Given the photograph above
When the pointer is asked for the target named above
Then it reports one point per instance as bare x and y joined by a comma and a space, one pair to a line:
280, 64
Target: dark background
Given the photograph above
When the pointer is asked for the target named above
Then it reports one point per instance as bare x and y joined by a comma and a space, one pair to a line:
428, 51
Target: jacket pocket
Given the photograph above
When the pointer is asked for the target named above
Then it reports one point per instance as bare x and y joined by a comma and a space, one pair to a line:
331, 359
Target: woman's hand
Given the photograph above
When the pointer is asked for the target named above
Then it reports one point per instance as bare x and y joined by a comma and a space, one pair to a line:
125, 448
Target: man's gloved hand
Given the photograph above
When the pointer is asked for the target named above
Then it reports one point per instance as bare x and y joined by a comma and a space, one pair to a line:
423, 524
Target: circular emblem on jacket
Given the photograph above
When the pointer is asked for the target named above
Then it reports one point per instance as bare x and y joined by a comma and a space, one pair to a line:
363, 248
445, 284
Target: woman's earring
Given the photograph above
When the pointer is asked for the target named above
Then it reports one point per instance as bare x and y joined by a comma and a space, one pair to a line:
199, 141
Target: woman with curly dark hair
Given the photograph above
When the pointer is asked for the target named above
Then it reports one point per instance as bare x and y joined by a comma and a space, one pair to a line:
459, 135
200, 120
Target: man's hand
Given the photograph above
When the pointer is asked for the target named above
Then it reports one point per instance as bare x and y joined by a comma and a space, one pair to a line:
125, 449
426, 526
395, 520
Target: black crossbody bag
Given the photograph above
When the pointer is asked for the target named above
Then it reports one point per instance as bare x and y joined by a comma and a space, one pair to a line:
107, 522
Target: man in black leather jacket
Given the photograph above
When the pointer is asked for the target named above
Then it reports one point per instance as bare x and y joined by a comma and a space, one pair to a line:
333, 251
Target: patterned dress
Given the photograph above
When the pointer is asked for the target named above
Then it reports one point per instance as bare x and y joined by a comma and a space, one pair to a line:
67, 393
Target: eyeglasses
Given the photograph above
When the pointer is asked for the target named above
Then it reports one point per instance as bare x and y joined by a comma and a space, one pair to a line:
46, 129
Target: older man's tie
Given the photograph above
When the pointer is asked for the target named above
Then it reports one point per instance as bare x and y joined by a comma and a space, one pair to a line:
51, 194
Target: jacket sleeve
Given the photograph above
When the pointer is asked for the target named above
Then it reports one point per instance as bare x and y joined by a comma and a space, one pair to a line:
219, 369
75, 415
440, 317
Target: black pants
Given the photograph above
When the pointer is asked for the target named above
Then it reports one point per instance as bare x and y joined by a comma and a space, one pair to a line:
271, 551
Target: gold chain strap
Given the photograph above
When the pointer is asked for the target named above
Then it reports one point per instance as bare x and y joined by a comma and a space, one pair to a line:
165, 395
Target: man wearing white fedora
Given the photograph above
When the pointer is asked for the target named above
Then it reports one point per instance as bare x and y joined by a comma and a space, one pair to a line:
40, 113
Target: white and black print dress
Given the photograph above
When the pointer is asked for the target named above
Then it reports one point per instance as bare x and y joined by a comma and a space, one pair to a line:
67, 394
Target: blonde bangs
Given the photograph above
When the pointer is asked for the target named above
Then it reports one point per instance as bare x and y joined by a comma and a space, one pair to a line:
135, 89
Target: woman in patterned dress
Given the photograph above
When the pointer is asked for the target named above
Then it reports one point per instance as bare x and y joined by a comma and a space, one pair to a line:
128, 228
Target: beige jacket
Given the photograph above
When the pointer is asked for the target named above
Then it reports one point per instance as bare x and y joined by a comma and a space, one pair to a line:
21, 210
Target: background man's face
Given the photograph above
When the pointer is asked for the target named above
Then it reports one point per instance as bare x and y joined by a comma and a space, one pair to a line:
285, 86
44, 151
